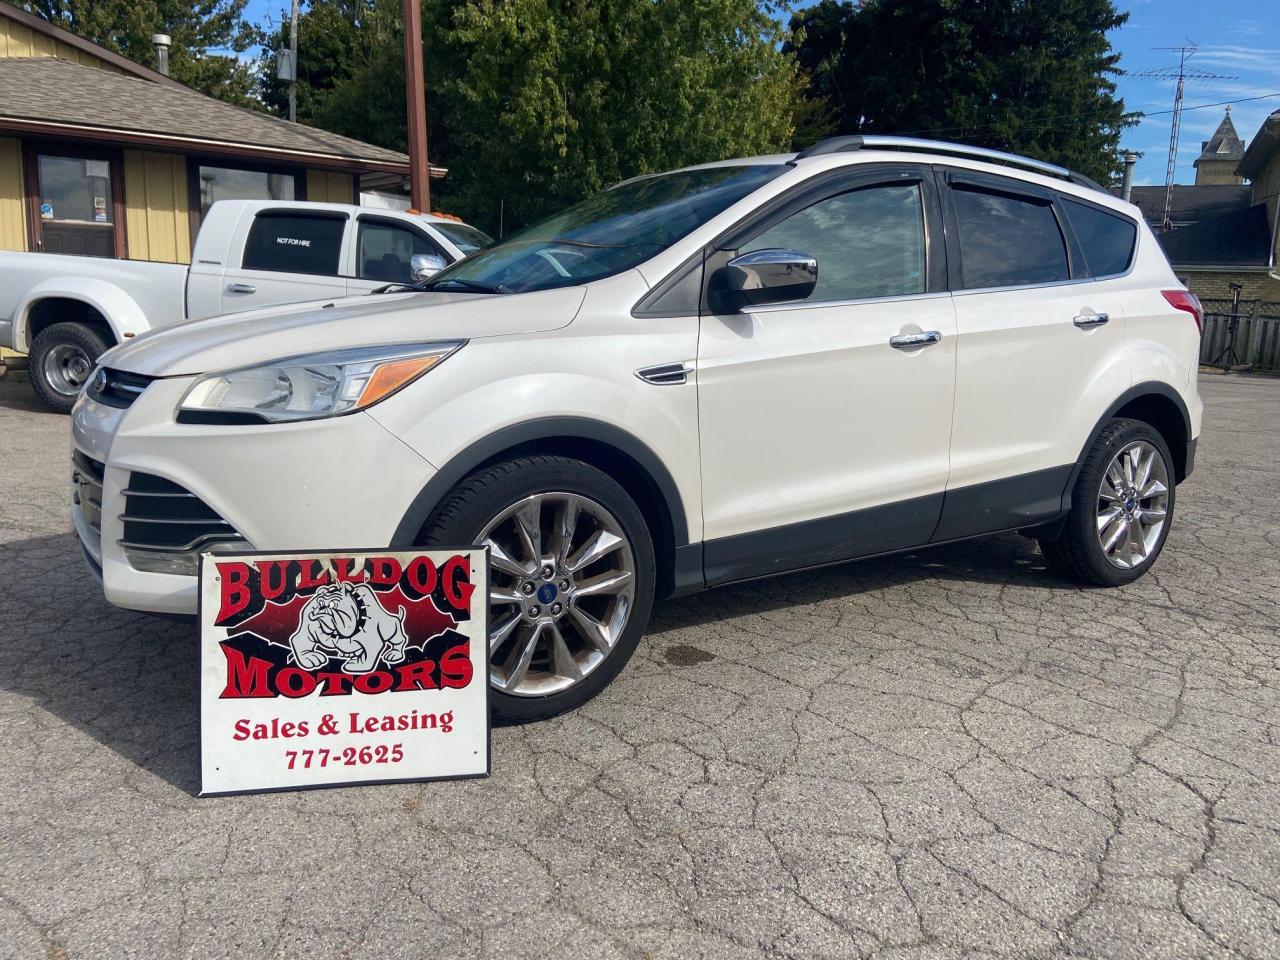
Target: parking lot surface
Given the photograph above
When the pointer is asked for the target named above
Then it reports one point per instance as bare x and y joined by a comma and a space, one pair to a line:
944, 754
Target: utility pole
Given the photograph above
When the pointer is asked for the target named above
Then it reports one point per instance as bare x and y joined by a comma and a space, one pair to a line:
1185, 52
416, 103
293, 62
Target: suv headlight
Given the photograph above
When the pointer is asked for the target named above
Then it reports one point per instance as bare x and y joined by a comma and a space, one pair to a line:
312, 386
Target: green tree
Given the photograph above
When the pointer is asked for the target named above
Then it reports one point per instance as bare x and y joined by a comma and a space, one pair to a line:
207, 37
537, 103
557, 100
336, 39
1030, 76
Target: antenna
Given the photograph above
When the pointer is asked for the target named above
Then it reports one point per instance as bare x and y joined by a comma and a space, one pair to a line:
1185, 52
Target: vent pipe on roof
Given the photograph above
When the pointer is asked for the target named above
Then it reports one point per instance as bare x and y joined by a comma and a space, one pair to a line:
1126, 185
162, 43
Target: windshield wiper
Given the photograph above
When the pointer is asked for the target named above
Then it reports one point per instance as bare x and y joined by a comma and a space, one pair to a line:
468, 285
400, 287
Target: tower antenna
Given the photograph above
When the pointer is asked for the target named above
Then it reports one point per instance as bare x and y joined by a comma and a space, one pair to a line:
1185, 52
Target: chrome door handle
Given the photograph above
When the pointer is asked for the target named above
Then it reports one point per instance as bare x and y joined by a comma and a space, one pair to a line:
241, 288
904, 340
1086, 320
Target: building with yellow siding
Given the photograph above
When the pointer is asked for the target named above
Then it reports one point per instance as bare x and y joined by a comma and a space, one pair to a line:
101, 156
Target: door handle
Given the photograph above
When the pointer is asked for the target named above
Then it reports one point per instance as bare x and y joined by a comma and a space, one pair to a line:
904, 340
241, 288
1086, 320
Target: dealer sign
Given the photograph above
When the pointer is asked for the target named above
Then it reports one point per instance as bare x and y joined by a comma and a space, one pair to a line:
326, 669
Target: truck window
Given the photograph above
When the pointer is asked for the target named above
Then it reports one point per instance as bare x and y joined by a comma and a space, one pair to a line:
385, 251
294, 243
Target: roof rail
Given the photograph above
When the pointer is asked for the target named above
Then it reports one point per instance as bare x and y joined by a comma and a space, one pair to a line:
876, 142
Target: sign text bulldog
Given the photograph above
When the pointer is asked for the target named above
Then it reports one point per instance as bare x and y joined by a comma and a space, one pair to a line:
327, 669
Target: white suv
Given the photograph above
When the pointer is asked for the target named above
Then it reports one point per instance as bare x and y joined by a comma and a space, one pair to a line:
695, 378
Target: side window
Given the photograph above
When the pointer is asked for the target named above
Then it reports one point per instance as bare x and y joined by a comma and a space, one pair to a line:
288, 243
1107, 239
385, 250
1007, 241
868, 242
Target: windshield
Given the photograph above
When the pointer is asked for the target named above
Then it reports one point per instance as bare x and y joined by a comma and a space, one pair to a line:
463, 236
611, 232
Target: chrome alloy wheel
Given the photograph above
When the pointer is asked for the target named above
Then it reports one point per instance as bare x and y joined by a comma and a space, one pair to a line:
66, 368
1133, 504
562, 590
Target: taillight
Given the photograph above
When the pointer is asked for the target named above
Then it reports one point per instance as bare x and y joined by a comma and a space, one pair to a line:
1188, 301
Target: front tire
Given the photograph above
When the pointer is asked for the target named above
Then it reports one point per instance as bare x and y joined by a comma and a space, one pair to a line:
1121, 508
572, 578
62, 358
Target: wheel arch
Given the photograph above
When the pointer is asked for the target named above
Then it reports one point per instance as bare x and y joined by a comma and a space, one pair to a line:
1157, 404
103, 305
626, 459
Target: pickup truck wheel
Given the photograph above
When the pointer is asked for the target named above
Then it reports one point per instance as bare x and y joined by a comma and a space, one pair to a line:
1121, 508
572, 577
62, 358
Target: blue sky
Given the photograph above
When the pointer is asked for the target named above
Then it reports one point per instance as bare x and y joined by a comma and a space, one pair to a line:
1240, 37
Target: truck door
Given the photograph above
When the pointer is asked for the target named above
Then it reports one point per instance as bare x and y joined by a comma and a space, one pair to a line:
288, 256
383, 252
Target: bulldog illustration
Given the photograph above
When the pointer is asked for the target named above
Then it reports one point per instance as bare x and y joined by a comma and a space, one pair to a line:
346, 619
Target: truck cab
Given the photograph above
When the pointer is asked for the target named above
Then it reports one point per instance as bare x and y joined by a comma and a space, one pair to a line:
256, 253
66, 310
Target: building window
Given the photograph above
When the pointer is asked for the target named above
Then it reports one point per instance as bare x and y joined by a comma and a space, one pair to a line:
228, 183
74, 200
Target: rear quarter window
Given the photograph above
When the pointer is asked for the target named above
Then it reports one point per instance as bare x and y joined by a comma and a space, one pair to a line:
288, 243
1107, 239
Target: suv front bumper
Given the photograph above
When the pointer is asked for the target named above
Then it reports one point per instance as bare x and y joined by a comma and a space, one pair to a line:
337, 483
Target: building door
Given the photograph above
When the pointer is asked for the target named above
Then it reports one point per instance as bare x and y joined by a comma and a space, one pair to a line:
76, 202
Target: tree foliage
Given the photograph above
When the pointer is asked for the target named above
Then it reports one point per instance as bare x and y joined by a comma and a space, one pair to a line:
206, 34
1030, 76
537, 103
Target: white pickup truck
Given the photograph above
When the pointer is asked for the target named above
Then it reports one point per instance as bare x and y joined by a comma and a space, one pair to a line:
64, 311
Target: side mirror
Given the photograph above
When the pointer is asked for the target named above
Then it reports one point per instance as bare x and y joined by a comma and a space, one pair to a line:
765, 276
424, 265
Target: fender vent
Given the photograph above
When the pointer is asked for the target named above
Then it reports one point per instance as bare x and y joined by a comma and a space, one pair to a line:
665, 373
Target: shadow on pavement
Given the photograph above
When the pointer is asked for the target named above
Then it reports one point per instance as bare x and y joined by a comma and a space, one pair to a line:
21, 396
129, 680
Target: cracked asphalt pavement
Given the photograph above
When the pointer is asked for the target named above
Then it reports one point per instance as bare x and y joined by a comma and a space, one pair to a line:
938, 755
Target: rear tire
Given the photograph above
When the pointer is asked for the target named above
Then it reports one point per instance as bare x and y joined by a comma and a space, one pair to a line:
559, 633
62, 359
1121, 508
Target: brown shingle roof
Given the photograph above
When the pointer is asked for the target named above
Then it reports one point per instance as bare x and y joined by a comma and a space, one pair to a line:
39, 93
1192, 203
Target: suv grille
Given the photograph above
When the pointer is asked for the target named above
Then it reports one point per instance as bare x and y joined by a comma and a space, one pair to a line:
167, 526
116, 388
86, 492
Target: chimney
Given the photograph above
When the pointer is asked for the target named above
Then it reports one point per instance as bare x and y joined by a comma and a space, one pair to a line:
1126, 185
162, 42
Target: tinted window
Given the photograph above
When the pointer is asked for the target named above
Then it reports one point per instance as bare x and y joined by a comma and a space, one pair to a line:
1007, 241
1107, 239
385, 251
868, 243
292, 244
